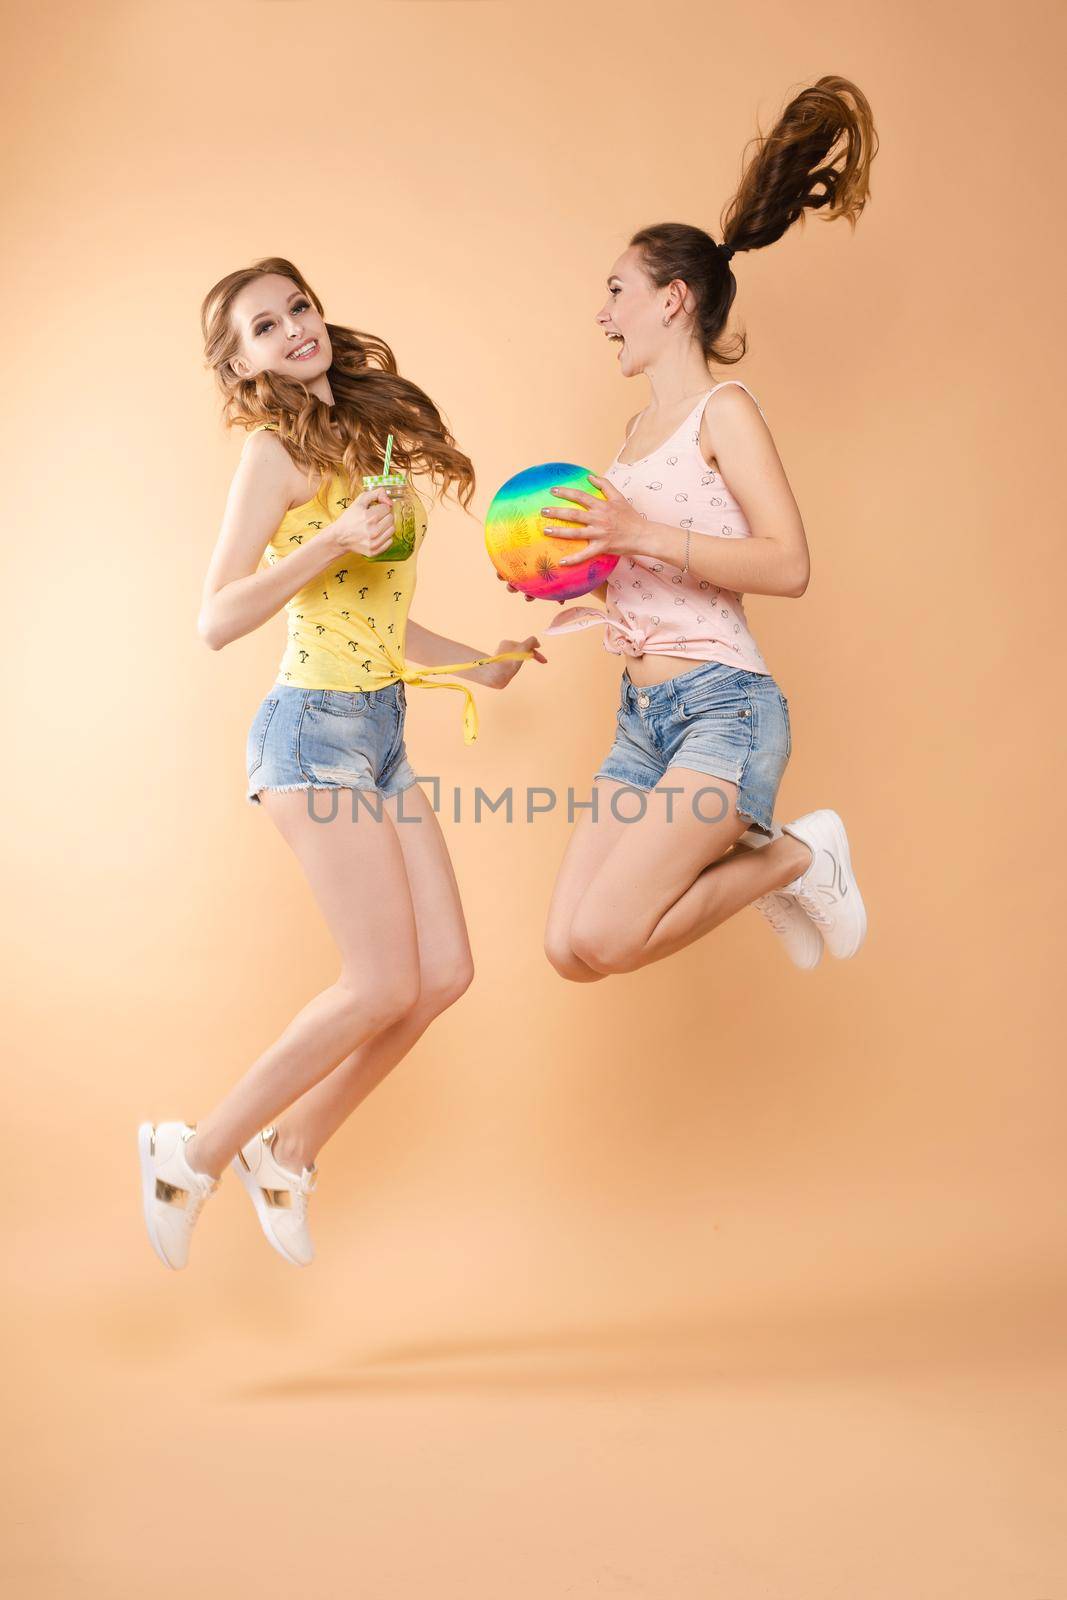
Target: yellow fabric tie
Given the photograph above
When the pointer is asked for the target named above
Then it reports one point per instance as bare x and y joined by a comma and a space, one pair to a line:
421, 674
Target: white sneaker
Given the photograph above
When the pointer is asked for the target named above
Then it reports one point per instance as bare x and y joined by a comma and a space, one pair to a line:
171, 1191
279, 1196
802, 939
827, 890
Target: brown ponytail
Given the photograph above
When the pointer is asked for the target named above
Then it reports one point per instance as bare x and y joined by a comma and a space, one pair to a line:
818, 154
817, 157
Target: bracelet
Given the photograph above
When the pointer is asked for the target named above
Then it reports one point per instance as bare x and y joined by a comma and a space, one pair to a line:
686, 567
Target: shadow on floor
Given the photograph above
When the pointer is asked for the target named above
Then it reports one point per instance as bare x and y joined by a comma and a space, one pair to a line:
955, 1331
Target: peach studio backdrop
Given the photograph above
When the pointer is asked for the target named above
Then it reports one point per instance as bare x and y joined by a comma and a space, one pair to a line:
720, 1278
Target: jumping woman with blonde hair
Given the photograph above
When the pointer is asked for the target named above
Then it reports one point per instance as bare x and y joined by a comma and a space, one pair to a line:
320, 402
699, 510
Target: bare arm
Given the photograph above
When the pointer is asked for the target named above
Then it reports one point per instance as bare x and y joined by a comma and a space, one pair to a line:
774, 559
434, 650
236, 598
601, 594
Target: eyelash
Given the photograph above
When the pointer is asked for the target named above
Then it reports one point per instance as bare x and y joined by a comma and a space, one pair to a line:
615, 289
263, 325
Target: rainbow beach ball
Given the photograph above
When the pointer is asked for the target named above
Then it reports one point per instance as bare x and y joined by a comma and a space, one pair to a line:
520, 548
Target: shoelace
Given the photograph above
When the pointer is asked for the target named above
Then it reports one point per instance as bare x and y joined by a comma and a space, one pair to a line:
196, 1203
806, 899
300, 1196
301, 1189
773, 909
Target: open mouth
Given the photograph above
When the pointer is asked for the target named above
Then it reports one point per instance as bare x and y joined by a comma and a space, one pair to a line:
306, 351
616, 338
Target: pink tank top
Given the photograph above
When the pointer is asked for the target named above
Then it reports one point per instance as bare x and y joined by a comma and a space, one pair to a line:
653, 608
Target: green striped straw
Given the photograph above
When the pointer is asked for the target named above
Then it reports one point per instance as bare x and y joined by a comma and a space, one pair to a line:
388, 454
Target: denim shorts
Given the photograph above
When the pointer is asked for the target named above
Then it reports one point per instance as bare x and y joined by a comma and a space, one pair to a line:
329, 739
717, 719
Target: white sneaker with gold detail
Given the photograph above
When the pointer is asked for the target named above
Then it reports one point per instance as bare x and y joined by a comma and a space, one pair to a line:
279, 1196
172, 1192
790, 921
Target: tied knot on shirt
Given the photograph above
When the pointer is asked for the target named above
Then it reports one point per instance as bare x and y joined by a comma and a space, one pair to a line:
632, 637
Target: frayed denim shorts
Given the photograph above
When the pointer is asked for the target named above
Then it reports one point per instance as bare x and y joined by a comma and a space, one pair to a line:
329, 739
717, 719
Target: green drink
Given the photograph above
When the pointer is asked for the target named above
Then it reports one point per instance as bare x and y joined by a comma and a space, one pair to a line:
396, 487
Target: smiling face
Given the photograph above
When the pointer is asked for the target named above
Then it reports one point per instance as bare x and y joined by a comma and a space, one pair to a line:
632, 315
280, 331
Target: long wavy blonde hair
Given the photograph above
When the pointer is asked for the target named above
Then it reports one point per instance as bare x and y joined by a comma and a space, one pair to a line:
371, 400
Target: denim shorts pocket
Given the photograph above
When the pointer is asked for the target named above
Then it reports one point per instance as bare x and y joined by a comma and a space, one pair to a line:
788, 728
344, 702
257, 733
722, 702
397, 740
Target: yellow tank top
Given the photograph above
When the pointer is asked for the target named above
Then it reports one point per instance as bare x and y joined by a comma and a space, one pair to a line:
346, 628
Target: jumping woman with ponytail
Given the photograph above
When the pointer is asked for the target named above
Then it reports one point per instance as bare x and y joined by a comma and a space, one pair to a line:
699, 511
319, 402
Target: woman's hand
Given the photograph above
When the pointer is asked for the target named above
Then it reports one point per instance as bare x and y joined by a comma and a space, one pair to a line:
367, 526
513, 589
498, 674
611, 525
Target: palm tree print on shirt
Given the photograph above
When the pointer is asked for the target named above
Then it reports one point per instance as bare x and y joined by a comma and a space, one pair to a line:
311, 661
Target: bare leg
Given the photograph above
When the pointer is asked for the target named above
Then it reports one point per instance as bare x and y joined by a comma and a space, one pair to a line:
356, 872
445, 972
664, 884
591, 842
